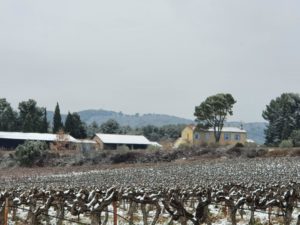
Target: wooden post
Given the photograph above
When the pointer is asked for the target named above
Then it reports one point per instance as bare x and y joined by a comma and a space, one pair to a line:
6, 212
115, 213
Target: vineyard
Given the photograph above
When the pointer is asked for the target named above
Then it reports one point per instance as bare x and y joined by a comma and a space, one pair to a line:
240, 191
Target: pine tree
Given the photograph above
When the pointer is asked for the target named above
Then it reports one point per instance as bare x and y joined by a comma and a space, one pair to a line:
74, 126
8, 117
57, 122
111, 126
212, 113
30, 116
283, 115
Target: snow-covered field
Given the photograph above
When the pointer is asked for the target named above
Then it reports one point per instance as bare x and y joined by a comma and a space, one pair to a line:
217, 215
204, 173
266, 185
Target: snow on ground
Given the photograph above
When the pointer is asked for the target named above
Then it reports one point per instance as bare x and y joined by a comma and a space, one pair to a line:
258, 171
216, 214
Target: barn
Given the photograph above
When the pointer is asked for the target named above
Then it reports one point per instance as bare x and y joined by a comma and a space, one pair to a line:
113, 141
10, 140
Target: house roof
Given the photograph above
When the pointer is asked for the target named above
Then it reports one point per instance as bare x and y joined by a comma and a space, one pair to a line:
35, 136
230, 130
123, 139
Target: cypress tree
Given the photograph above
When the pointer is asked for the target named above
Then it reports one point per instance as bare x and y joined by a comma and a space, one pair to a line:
45, 124
69, 124
57, 122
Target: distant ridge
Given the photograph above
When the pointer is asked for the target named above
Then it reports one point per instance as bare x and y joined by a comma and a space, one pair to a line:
100, 116
255, 130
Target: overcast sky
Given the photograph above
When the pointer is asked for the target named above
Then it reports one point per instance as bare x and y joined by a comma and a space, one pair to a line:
141, 56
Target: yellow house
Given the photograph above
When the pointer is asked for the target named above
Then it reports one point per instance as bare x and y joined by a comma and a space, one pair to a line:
229, 136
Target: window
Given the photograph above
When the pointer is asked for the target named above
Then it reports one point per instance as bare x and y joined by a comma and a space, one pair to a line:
237, 137
227, 136
197, 136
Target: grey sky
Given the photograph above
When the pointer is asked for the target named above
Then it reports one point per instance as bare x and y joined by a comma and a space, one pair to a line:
158, 56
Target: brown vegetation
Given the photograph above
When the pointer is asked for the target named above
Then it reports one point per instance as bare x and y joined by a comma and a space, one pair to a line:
67, 157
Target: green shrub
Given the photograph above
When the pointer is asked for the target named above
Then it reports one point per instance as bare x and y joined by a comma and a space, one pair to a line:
286, 144
234, 152
214, 145
125, 157
239, 145
153, 148
31, 151
295, 136
185, 146
251, 145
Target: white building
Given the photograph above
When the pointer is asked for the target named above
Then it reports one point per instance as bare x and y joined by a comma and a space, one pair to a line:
113, 141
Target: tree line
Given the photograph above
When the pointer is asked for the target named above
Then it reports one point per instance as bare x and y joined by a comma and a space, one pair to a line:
73, 124
153, 133
32, 118
28, 118
282, 114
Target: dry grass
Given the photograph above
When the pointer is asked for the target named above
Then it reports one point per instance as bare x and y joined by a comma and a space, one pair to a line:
283, 152
277, 152
295, 152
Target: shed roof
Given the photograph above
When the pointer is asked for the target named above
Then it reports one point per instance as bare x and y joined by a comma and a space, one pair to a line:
85, 141
155, 144
35, 136
123, 139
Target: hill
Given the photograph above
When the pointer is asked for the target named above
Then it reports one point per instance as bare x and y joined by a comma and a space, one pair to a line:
255, 130
100, 116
